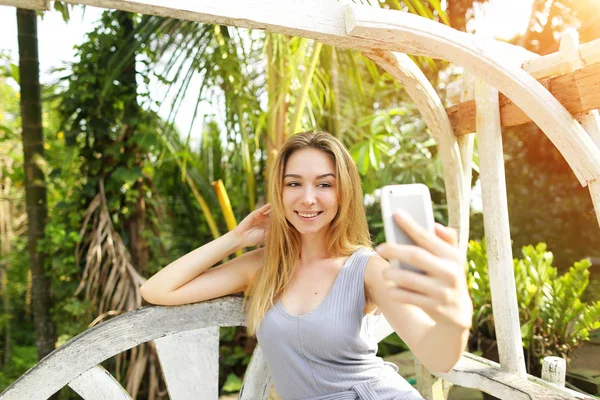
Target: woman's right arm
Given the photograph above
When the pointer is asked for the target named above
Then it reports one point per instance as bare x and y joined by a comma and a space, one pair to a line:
189, 279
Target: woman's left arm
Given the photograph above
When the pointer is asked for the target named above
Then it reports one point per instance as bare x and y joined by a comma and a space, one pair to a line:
431, 312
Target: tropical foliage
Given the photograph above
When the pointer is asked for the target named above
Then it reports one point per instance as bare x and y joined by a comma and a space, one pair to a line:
554, 319
131, 188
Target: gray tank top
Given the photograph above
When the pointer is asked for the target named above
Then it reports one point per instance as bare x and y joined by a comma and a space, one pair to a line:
329, 353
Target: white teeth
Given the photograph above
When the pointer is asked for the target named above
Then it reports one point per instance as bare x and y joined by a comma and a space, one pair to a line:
308, 215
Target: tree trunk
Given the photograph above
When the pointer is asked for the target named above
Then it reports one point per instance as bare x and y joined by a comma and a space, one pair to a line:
35, 183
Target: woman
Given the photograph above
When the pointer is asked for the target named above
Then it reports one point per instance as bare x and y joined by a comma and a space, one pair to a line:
313, 289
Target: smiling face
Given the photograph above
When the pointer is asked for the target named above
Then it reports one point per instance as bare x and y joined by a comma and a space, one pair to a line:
310, 195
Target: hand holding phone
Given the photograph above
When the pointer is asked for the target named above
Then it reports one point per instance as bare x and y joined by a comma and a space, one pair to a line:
414, 200
439, 287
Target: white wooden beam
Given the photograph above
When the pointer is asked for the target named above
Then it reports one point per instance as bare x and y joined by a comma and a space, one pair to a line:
257, 380
98, 384
190, 363
400, 30
478, 373
554, 370
28, 4
553, 64
466, 145
570, 52
422, 93
322, 20
497, 230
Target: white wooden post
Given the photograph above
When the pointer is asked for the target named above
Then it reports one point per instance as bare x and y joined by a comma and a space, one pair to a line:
497, 230
554, 370
572, 60
465, 145
423, 94
430, 386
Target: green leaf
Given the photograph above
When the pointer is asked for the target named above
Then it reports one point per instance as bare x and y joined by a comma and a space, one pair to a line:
232, 384
14, 72
127, 175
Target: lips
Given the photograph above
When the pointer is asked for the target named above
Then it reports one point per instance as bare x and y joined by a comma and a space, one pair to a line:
309, 215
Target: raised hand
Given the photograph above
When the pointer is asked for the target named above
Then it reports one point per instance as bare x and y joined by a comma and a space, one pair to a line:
252, 230
442, 291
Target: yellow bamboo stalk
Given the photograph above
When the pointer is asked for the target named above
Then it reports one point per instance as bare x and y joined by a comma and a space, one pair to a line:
225, 207
214, 229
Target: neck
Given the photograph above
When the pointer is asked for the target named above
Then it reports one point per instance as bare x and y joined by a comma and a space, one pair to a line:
313, 247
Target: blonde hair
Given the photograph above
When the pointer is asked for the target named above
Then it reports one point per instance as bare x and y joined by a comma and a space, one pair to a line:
347, 232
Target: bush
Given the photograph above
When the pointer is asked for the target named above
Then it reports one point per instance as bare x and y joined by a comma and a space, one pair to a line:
554, 319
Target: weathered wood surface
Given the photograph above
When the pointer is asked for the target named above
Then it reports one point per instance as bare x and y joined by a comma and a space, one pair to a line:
497, 230
554, 63
554, 370
322, 20
190, 363
590, 120
98, 384
578, 92
478, 373
422, 93
29, 4
257, 380
430, 386
115, 336
391, 28
466, 145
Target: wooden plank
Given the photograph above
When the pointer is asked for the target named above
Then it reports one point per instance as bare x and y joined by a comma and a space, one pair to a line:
190, 363
554, 63
116, 335
554, 370
497, 230
430, 386
257, 380
322, 20
28, 4
98, 384
569, 48
466, 145
478, 373
578, 92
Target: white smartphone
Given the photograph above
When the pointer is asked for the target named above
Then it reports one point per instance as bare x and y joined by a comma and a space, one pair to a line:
415, 200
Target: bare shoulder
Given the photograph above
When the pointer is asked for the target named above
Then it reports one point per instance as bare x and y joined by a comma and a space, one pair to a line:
374, 274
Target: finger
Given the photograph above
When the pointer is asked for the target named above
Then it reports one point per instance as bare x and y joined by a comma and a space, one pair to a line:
414, 282
447, 234
419, 258
416, 299
264, 210
422, 238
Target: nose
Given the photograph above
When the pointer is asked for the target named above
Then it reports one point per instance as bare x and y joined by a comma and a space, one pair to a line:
309, 197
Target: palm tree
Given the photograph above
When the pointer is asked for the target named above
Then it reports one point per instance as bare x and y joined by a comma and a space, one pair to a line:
35, 180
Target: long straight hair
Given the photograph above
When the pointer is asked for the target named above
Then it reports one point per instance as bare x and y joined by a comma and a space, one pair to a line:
347, 231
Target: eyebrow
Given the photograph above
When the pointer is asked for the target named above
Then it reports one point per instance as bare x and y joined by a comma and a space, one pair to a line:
299, 176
